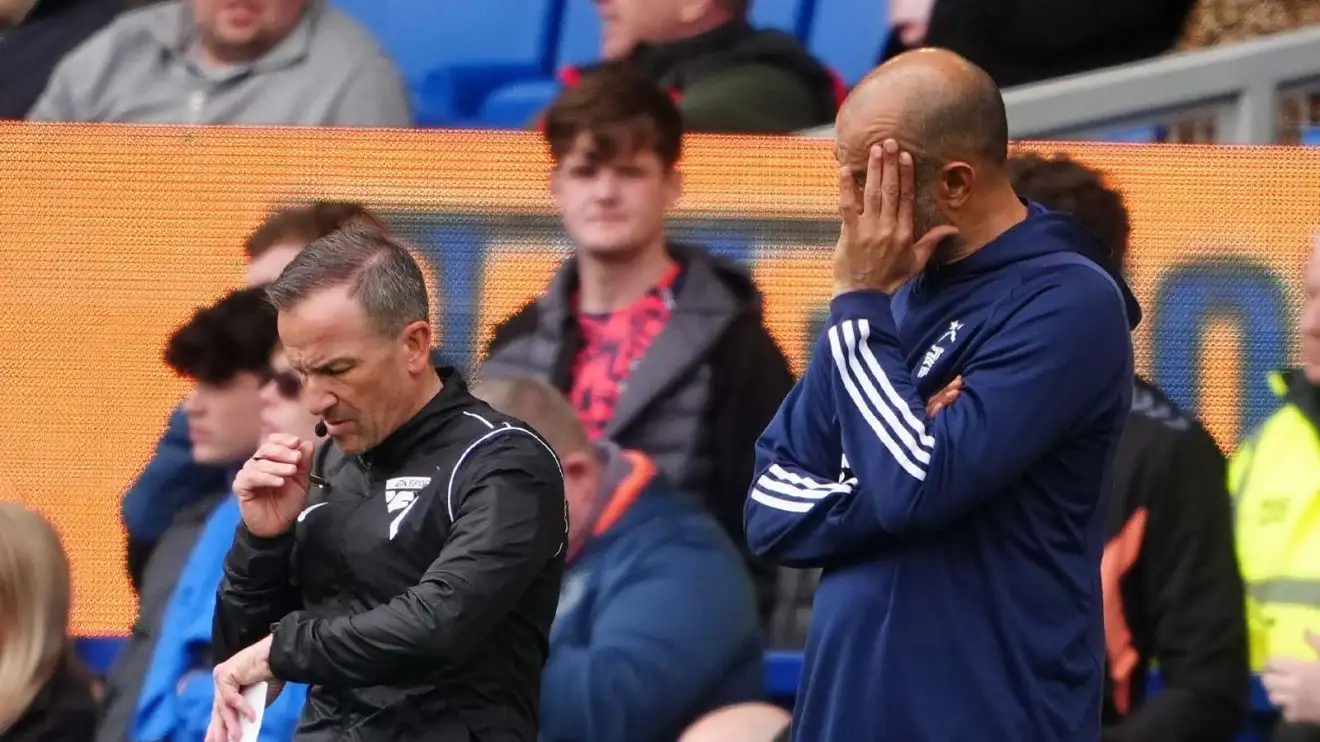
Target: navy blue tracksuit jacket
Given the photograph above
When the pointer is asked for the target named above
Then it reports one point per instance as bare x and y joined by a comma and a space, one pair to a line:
960, 597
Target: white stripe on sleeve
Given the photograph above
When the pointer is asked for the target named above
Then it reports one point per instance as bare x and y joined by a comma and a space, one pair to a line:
873, 365
843, 363
783, 490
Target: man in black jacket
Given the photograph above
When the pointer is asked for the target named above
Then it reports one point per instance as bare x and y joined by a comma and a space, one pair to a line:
1173, 592
660, 347
411, 565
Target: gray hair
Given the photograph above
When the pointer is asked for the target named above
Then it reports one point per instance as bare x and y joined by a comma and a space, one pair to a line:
382, 276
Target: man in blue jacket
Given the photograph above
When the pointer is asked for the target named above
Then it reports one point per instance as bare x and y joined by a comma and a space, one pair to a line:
960, 597
657, 620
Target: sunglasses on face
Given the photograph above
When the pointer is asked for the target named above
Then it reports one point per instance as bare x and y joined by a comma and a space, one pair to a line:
287, 384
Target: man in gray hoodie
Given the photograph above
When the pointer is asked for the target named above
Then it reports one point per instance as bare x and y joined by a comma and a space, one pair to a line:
259, 62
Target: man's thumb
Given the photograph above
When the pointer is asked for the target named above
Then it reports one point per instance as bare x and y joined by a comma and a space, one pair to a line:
306, 449
932, 239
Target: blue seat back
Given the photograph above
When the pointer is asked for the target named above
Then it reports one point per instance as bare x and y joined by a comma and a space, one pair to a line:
793, 16
579, 34
425, 35
849, 36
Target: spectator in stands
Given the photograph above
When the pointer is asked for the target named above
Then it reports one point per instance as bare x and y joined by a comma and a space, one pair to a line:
1215, 22
35, 36
657, 621
44, 693
225, 349
178, 693
1173, 593
1275, 480
727, 76
278, 62
1024, 41
172, 480
659, 346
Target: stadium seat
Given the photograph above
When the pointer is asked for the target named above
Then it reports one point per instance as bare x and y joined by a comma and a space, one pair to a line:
1136, 135
793, 16
849, 37
579, 35
98, 653
517, 105
454, 53
1311, 136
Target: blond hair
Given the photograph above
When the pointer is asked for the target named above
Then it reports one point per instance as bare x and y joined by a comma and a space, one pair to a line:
34, 608
539, 405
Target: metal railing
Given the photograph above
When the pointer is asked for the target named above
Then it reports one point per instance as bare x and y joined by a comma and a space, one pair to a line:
1257, 92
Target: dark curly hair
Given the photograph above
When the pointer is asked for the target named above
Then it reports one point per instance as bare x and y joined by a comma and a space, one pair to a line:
1061, 183
238, 333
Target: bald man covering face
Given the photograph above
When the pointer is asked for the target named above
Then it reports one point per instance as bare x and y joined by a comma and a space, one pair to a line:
960, 598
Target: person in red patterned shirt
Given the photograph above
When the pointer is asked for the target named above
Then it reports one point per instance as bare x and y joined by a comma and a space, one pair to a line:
660, 347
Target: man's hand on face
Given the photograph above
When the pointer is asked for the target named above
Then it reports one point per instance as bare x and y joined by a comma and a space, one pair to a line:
1294, 685
252, 665
877, 249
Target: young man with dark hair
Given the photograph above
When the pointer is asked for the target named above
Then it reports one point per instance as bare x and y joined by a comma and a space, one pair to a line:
429, 529
660, 347
1173, 592
172, 479
225, 350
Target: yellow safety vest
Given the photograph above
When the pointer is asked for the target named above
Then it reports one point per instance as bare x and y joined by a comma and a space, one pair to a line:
1275, 481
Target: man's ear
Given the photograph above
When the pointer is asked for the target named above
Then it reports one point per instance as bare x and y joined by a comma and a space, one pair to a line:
673, 187
956, 181
417, 339
553, 183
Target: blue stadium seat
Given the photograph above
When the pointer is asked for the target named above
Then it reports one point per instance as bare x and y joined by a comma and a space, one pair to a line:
1311, 136
849, 36
454, 53
1136, 135
793, 16
98, 653
517, 105
579, 34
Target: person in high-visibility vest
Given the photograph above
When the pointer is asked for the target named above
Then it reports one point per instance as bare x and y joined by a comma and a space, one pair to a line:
1275, 481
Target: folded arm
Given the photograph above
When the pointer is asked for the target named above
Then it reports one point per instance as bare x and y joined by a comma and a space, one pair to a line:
1060, 359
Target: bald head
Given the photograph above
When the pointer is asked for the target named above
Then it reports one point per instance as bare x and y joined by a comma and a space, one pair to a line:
539, 405
934, 103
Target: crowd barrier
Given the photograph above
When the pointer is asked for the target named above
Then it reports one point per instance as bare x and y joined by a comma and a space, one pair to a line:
112, 235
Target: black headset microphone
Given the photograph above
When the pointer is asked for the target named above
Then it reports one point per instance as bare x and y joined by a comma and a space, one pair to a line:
320, 429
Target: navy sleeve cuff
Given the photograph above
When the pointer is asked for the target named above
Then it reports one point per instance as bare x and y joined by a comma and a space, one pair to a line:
870, 305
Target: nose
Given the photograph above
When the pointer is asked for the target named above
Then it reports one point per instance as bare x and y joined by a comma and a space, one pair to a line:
317, 399
605, 186
269, 393
192, 404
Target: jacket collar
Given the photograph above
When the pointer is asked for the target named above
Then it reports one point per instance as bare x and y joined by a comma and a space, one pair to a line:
703, 309
1293, 386
399, 445
659, 61
625, 475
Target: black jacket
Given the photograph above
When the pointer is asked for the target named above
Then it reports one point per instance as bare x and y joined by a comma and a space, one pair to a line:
1182, 596
699, 398
30, 50
416, 592
1024, 41
738, 79
62, 711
